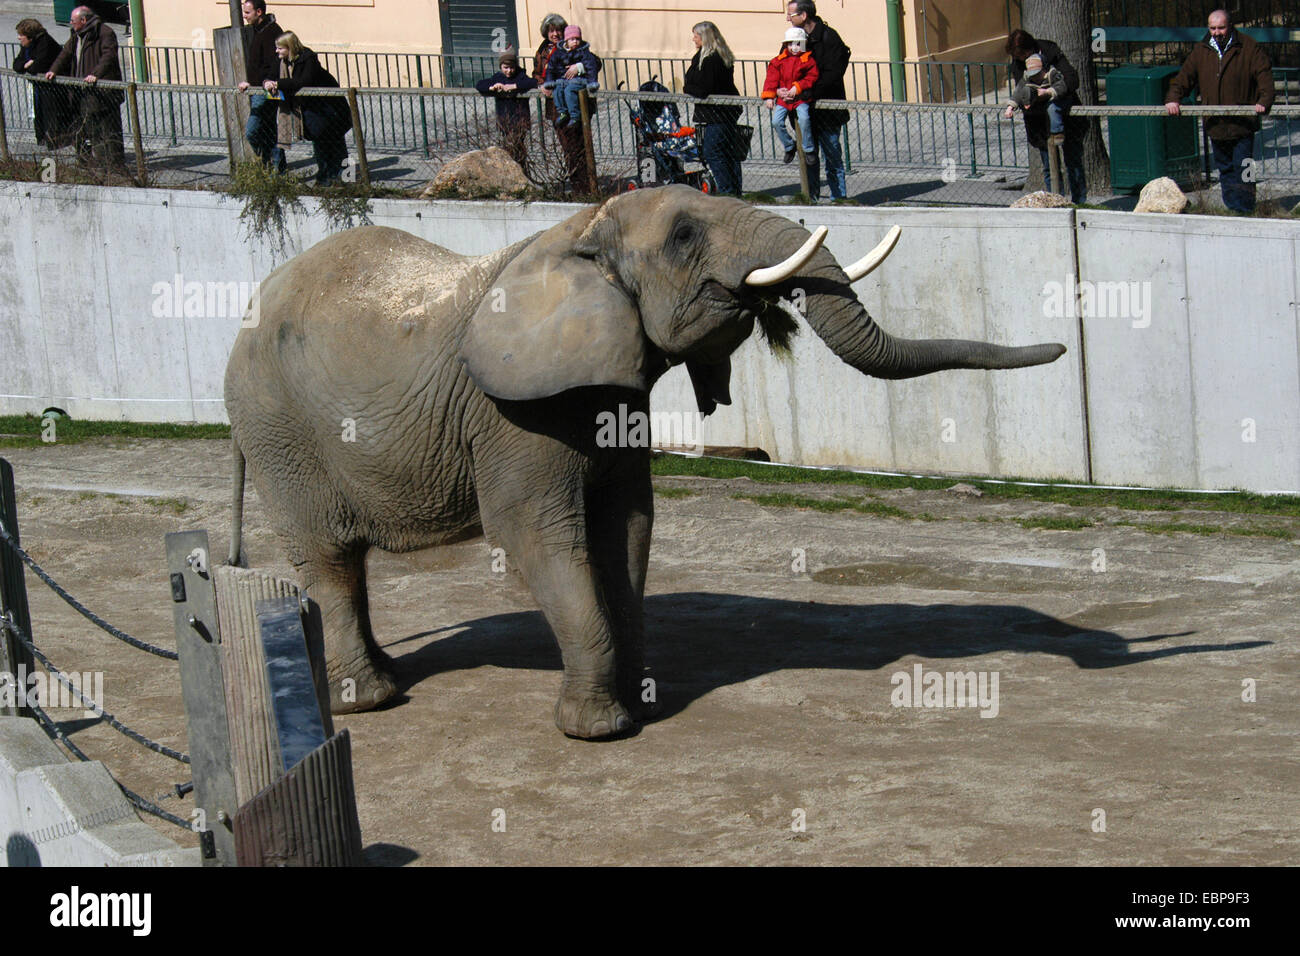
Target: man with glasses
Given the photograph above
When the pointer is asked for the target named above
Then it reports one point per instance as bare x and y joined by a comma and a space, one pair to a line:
832, 58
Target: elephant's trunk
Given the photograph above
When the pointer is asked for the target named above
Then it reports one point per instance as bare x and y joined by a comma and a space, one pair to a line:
836, 315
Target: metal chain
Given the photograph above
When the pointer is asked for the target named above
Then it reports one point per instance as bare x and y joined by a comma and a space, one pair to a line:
85, 612
140, 802
112, 721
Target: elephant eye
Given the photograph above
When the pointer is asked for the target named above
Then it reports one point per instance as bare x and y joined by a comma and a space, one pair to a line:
683, 234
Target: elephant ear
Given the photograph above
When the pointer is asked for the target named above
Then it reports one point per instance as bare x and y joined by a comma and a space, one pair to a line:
555, 319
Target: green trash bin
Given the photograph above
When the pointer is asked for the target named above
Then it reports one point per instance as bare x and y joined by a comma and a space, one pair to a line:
1146, 148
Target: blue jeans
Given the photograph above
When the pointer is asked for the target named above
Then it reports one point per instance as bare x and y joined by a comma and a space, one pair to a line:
804, 112
1230, 157
721, 153
566, 95
1055, 118
263, 129
828, 138
1074, 174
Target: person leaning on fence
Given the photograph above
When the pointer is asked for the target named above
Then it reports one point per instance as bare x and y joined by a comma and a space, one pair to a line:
262, 64
713, 72
575, 152
1229, 68
790, 75
1048, 123
37, 51
325, 119
514, 120
91, 55
831, 55
572, 69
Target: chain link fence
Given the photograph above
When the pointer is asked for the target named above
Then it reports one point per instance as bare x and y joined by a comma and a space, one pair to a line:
402, 137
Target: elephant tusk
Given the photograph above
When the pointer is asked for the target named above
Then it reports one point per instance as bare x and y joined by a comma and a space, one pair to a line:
875, 257
771, 275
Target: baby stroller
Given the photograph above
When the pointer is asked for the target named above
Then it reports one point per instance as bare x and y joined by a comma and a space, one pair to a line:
664, 146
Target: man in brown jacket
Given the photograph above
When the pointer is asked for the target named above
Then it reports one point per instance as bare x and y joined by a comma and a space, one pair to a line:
91, 55
1229, 68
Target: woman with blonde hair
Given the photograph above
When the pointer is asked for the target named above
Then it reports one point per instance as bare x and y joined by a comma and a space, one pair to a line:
325, 119
712, 71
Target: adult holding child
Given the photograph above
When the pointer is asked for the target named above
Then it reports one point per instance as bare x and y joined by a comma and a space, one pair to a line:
570, 137
831, 55
712, 72
1047, 86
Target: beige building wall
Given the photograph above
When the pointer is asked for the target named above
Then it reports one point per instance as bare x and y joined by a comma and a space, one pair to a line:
939, 30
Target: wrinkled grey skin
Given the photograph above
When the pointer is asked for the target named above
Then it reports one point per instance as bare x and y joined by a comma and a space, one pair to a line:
471, 419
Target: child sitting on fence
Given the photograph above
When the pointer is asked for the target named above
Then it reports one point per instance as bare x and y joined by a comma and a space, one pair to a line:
790, 75
568, 72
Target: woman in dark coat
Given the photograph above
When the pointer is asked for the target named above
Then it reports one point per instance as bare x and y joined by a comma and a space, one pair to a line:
1021, 45
325, 119
575, 151
37, 53
712, 71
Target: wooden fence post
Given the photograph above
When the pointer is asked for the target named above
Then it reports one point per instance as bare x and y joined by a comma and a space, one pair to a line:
198, 643
133, 111
593, 184
358, 134
4, 136
803, 159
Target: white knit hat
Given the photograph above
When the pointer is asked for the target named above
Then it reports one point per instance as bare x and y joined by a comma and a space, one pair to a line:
795, 35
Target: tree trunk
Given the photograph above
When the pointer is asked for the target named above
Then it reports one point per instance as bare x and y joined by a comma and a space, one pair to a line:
1067, 23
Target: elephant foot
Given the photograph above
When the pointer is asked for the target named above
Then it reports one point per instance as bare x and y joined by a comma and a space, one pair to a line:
591, 717
359, 685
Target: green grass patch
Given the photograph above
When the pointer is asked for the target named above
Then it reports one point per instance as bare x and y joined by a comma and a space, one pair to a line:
781, 499
177, 506
1160, 500
1179, 527
25, 431
674, 492
1055, 524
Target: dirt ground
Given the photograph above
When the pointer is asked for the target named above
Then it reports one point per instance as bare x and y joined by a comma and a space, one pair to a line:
1119, 690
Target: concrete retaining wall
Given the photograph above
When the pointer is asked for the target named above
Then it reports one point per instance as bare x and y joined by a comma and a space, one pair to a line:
57, 813
93, 268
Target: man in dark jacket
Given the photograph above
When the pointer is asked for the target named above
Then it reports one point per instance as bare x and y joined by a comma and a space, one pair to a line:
50, 105
514, 118
262, 64
91, 55
832, 59
1229, 68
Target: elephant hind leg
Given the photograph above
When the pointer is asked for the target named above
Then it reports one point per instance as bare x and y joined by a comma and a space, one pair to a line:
359, 672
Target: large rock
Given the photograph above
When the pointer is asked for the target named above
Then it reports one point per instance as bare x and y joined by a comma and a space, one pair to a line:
1161, 195
483, 172
1040, 200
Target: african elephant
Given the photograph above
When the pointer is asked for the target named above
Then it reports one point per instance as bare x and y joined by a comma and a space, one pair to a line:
473, 385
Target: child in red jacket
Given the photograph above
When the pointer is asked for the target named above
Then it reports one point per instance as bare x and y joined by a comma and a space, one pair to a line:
789, 78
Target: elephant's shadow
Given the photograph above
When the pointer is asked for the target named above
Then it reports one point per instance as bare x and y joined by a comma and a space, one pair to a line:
698, 642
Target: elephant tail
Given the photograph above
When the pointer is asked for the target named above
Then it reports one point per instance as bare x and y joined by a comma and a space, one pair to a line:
237, 515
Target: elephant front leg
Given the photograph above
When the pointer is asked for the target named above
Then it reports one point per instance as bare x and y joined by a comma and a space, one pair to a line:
621, 516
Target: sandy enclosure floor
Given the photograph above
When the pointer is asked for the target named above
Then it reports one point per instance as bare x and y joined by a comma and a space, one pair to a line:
1118, 690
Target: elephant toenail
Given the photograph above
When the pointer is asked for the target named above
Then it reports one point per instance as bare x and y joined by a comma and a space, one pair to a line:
622, 723
600, 728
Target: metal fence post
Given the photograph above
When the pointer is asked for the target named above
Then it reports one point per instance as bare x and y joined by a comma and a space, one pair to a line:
16, 658
133, 111
358, 134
